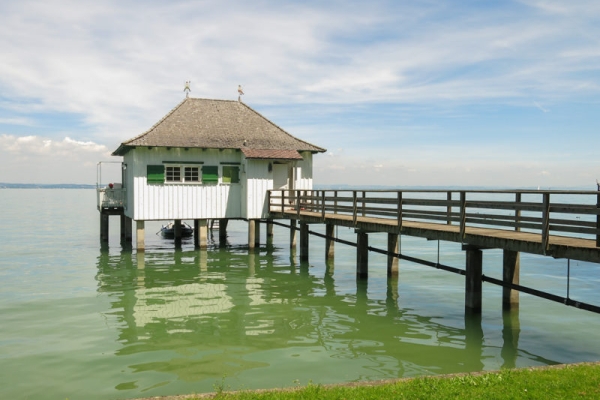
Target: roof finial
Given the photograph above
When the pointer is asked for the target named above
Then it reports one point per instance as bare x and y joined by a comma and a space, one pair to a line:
241, 92
187, 89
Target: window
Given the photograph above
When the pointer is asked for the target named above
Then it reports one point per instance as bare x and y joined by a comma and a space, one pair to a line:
191, 174
155, 173
210, 174
231, 174
173, 174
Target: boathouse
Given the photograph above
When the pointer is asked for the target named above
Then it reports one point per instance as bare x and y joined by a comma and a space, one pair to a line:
206, 160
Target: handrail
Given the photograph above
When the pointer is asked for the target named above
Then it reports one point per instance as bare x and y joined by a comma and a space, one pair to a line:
516, 210
111, 197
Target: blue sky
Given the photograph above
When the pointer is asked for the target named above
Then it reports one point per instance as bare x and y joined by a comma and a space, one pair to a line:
400, 92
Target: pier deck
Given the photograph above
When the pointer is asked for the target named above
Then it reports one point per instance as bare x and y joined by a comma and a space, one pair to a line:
521, 221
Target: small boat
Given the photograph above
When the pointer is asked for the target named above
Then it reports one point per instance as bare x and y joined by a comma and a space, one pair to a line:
168, 231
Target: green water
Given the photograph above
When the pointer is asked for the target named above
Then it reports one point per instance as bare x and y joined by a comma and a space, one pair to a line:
80, 321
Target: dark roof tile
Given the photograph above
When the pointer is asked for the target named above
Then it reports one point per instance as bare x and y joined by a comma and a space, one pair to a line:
216, 124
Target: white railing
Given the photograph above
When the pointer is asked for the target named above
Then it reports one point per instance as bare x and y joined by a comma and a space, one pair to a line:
111, 197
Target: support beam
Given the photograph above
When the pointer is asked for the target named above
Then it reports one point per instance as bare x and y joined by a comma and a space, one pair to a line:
329, 242
473, 280
126, 229
140, 235
511, 266
269, 228
362, 255
104, 227
303, 241
392, 261
252, 233
292, 234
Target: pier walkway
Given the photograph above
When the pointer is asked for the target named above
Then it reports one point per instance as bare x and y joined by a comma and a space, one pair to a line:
525, 221
559, 224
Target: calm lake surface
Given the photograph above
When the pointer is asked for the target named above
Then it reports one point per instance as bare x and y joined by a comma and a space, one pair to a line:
79, 321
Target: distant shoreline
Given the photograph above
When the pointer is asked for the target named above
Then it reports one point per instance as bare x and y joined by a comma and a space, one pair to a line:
45, 186
315, 187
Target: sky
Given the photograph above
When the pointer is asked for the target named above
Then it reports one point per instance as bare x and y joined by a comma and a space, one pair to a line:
400, 93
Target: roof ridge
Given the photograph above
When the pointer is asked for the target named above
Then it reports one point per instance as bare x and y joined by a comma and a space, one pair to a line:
280, 128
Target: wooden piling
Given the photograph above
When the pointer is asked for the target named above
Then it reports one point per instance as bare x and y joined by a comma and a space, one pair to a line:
104, 227
223, 230
362, 255
329, 242
510, 274
392, 261
473, 280
126, 229
269, 228
303, 241
293, 234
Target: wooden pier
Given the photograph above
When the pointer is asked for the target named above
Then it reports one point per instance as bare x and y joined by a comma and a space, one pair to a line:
559, 224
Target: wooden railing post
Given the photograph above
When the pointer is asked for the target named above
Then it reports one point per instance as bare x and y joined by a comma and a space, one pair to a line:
518, 212
282, 201
299, 202
269, 199
399, 211
364, 211
449, 209
354, 207
323, 204
545, 222
463, 213
335, 201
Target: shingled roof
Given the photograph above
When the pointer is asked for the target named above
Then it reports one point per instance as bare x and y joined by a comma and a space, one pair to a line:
219, 124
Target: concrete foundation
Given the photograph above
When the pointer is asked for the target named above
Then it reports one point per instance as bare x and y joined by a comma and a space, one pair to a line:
140, 237
201, 233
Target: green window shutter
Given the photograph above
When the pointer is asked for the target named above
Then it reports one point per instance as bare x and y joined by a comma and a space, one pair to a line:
155, 173
210, 174
231, 174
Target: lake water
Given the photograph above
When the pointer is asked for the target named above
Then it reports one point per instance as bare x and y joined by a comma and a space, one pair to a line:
79, 321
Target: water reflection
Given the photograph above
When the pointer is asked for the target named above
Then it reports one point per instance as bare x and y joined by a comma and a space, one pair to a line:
200, 315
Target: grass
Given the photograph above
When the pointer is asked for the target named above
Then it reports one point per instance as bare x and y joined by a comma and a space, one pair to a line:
579, 381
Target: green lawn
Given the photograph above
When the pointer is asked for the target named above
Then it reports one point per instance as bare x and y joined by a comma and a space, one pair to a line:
561, 382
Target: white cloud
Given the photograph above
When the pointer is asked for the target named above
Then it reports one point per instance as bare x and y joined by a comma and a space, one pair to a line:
118, 67
45, 160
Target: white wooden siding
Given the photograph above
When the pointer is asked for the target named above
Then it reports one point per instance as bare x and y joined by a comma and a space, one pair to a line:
259, 181
179, 200
168, 201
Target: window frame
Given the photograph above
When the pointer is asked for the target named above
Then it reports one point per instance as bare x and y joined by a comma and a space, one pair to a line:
194, 168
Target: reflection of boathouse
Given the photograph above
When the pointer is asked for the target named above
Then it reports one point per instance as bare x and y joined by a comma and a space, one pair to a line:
217, 319
206, 159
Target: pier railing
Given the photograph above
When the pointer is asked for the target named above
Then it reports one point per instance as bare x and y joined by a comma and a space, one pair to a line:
546, 212
111, 198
